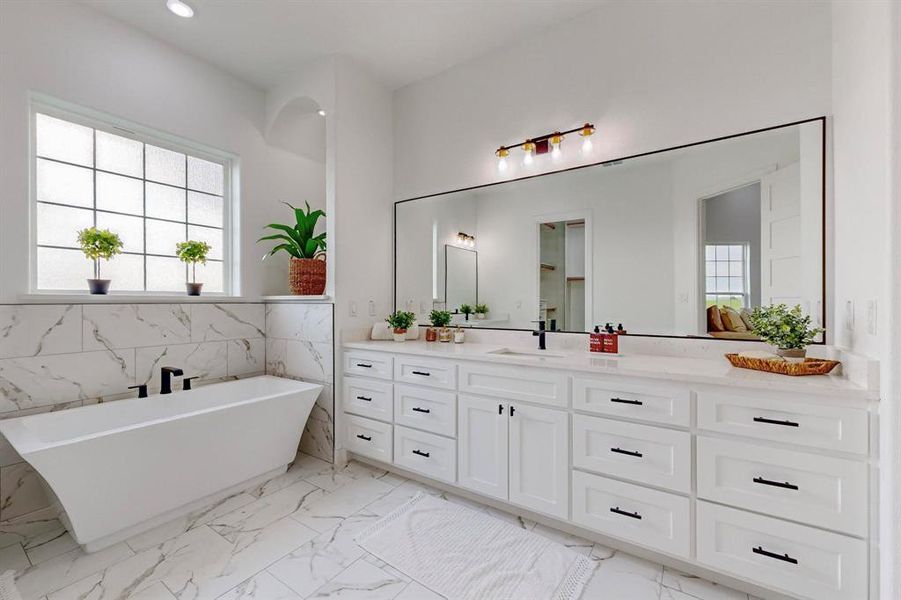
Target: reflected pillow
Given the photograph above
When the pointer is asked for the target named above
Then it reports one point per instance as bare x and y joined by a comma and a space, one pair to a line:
732, 320
714, 319
746, 317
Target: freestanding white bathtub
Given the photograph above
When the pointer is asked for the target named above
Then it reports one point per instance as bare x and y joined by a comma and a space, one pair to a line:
123, 467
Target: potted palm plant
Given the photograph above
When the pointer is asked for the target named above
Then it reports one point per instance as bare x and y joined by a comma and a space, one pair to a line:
99, 244
307, 271
191, 253
466, 310
400, 321
788, 329
481, 311
439, 319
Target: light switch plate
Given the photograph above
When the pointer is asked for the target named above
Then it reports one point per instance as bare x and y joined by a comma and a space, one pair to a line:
352, 308
871, 317
849, 315
372, 308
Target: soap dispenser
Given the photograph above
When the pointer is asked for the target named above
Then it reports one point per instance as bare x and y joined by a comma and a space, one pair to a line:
595, 344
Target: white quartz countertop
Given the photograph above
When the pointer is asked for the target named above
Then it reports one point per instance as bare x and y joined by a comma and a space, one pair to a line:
713, 371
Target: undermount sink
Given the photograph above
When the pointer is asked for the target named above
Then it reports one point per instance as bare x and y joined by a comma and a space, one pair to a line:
527, 353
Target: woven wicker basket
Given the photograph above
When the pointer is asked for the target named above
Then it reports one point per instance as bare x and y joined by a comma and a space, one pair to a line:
810, 366
307, 276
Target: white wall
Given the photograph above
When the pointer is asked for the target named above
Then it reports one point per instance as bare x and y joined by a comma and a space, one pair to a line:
866, 41
81, 56
648, 74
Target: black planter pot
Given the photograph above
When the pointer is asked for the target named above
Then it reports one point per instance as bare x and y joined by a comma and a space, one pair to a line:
99, 286
194, 288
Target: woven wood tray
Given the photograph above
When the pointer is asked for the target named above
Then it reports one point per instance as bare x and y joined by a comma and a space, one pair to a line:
810, 366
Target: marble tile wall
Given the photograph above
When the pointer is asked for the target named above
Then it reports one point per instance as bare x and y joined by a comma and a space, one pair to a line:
55, 357
300, 345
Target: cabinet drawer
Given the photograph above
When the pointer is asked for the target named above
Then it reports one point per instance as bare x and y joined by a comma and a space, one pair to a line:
515, 383
802, 423
642, 453
653, 519
368, 364
368, 398
424, 408
802, 561
368, 437
425, 453
649, 402
422, 371
824, 491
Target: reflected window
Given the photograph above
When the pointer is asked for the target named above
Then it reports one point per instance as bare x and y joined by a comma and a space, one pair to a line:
153, 194
727, 275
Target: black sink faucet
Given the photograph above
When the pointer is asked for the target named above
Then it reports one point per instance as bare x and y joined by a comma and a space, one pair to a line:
166, 378
540, 333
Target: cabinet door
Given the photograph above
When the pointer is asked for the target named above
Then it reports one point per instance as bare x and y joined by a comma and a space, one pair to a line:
482, 445
539, 459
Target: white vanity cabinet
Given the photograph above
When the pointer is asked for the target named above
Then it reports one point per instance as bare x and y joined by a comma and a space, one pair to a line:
770, 484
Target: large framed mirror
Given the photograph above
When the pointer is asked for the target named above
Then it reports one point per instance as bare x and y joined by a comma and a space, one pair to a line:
680, 242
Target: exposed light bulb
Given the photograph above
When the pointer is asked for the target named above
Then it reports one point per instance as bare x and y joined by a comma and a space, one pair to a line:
179, 8
586, 133
528, 148
502, 154
321, 112
556, 140
587, 145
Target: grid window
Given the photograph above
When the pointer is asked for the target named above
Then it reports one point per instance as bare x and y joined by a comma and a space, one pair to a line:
727, 276
152, 196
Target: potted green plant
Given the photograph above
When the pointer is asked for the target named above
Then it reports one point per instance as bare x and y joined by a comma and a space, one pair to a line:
400, 322
306, 273
788, 329
191, 253
481, 311
99, 244
439, 319
466, 310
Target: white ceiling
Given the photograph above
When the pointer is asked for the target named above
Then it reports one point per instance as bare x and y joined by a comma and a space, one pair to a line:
400, 41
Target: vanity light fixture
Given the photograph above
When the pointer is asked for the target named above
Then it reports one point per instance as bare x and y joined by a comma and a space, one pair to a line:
550, 142
179, 8
465, 240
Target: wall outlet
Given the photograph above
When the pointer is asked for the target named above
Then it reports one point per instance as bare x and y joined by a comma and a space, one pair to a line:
849, 315
871, 317
352, 308
372, 308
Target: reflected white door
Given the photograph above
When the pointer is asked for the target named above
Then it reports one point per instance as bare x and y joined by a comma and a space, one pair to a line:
780, 237
539, 459
482, 445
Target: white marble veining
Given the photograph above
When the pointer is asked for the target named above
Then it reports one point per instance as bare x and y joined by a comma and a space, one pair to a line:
276, 357
210, 322
207, 360
310, 361
307, 322
713, 371
246, 356
135, 325
261, 550
44, 380
21, 491
34, 330
317, 438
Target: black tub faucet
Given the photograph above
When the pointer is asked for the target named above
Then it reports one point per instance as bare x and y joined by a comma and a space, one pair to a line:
540, 333
166, 374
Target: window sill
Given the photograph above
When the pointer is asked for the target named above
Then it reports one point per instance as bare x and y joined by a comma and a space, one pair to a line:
125, 298
299, 299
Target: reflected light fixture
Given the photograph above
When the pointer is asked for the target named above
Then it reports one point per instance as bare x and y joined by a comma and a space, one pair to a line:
465, 240
179, 8
549, 143
502, 154
529, 148
320, 112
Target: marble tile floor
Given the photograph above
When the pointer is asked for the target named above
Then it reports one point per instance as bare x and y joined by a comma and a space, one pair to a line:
290, 538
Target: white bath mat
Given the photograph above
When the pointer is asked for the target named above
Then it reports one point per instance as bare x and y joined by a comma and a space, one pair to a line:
466, 555
8, 590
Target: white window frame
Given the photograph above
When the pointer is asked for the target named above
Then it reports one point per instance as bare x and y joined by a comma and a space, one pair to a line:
52, 107
745, 278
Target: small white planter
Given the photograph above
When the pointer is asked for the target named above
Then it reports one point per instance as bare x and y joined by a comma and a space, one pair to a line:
400, 335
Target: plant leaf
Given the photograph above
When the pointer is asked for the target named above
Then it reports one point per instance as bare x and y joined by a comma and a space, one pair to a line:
290, 249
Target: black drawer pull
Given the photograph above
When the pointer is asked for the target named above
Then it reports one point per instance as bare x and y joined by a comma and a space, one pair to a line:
625, 401
420, 453
786, 485
631, 515
364, 398
775, 422
627, 452
364, 437
364, 365
422, 410
423, 373
783, 557
500, 409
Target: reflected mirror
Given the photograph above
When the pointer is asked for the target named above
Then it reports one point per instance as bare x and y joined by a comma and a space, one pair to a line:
679, 242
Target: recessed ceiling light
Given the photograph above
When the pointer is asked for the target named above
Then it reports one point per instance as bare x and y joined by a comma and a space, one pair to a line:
179, 8
321, 112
